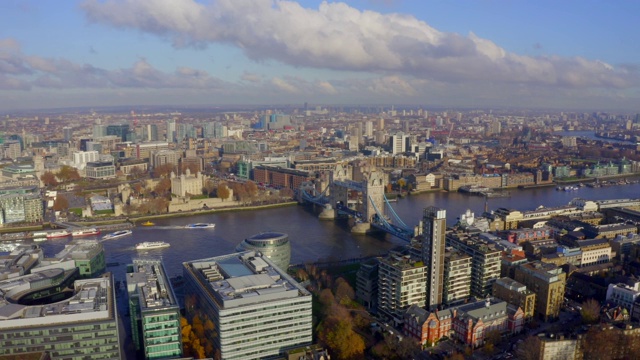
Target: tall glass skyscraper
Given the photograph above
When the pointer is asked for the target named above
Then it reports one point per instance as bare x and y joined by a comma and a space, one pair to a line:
121, 131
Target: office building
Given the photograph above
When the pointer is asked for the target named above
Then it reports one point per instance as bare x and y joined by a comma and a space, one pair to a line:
154, 311
144, 150
399, 143
162, 157
121, 131
624, 295
171, 130
257, 310
402, 282
434, 226
273, 245
99, 131
100, 170
457, 278
547, 281
516, 294
86, 255
34, 318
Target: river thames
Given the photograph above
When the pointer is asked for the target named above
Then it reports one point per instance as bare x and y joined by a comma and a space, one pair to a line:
312, 239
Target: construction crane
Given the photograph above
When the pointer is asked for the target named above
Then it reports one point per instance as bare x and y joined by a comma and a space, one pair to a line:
449, 136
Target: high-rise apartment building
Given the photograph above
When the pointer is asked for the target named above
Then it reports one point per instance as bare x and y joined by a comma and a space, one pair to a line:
457, 277
171, 130
99, 131
547, 281
434, 226
367, 285
15, 208
154, 310
256, 309
67, 133
402, 282
485, 263
368, 128
151, 132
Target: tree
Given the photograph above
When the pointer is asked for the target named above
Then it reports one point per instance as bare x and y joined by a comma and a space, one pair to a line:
223, 191
603, 343
456, 356
49, 179
339, 337
327, 299
590, 311
68, 173
401, 183
286, 193
136, 172
240, 192
163, 170
343, 291
61, 203
208, 187
529, 349
251, 188
163, 187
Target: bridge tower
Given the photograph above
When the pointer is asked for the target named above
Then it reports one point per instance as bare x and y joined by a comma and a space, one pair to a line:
373, 197
339, 194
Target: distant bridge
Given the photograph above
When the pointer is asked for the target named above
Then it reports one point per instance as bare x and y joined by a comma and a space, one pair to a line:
370, 208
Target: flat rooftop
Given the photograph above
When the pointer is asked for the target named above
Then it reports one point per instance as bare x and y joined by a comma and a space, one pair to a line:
92, 300
152, 284
244, 279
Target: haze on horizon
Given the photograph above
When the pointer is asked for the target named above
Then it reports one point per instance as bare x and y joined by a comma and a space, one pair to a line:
545, 54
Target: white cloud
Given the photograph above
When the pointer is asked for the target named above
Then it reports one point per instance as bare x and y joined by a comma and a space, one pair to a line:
325, 87
24, 72
284, 85
250, 77
339, 37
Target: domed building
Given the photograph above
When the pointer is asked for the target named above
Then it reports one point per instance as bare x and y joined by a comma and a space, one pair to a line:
274, 245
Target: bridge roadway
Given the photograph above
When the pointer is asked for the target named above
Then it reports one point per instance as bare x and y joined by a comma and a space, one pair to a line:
394, 226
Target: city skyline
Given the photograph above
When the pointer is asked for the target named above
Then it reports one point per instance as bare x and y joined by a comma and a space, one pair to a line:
568, 55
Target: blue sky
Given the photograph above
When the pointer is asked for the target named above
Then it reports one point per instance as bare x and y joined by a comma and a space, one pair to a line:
579, 55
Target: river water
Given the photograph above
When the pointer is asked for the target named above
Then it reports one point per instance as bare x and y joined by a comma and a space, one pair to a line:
312, 239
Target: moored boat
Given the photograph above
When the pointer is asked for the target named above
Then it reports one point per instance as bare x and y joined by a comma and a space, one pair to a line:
57, 234
147, 223
85, 232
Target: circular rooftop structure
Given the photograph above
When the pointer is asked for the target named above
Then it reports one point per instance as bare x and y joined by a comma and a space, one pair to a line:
274, 245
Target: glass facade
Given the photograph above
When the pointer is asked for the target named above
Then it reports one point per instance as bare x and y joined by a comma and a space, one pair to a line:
155, 315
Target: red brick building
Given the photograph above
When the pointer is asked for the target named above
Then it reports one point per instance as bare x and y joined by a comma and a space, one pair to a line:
280, 177
469, 323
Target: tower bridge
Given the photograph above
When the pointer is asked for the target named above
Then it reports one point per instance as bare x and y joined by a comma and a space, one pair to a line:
363, 201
